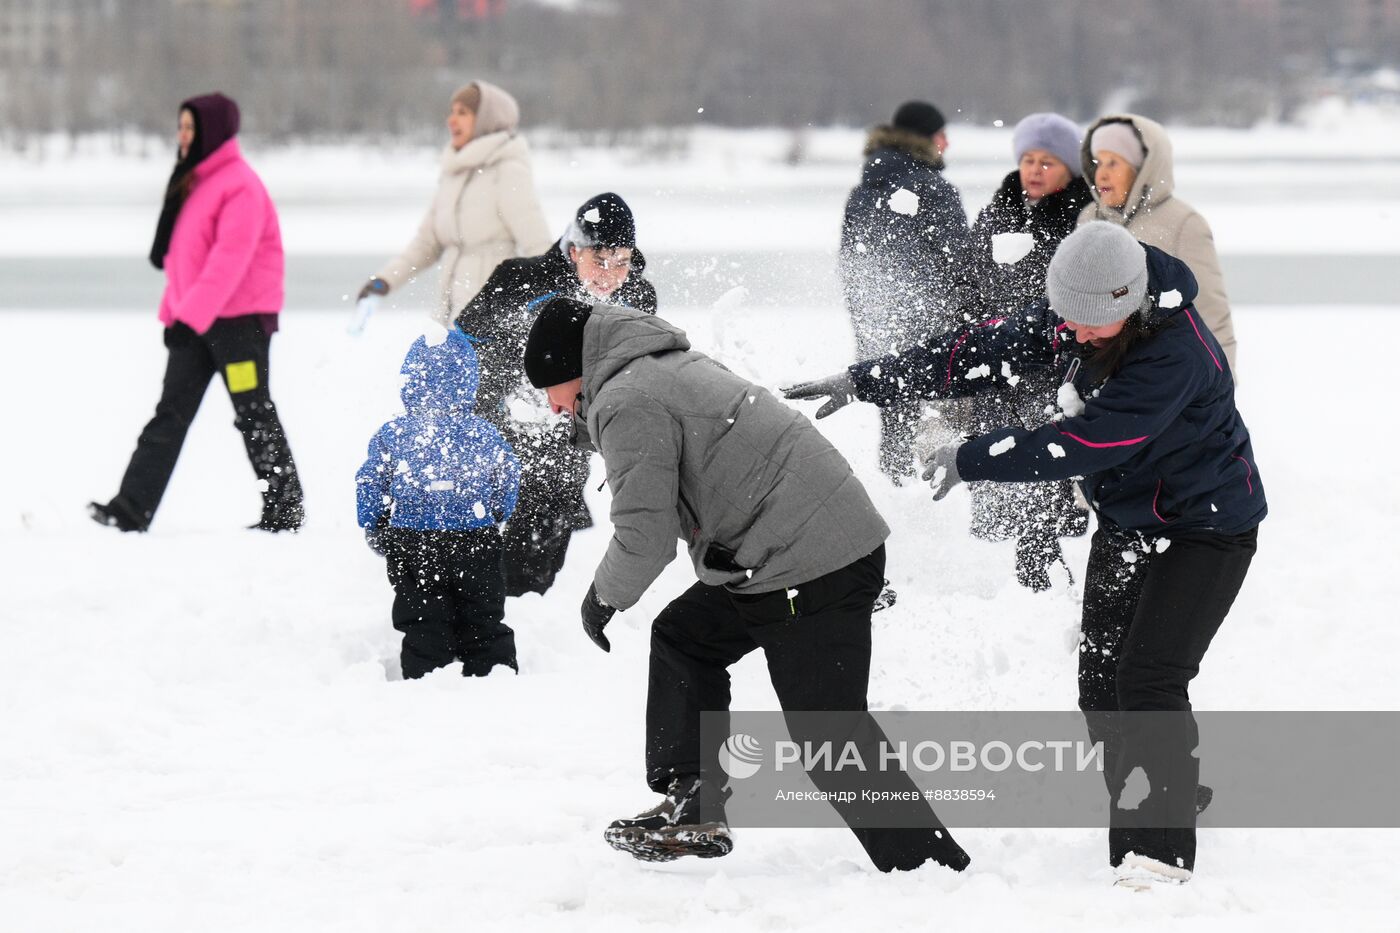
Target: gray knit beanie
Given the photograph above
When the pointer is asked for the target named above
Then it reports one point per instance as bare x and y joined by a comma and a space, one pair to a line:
1098, 275
1055, 134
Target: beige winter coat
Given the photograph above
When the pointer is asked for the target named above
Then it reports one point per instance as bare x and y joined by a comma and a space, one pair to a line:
1156, 216
485, 210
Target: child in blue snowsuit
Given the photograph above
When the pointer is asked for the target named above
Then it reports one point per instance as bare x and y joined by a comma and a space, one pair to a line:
432, 494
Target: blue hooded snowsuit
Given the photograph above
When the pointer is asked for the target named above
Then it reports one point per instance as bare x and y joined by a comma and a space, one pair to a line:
438, 466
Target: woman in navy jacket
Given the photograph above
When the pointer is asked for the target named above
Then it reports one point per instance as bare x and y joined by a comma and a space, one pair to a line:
1162, 455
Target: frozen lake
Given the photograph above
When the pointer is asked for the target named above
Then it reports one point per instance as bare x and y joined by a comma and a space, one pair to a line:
1299, 217
316, 283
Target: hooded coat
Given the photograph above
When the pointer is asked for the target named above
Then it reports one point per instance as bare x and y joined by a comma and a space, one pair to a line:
903, 230
225, 255
438, 466
485, 209
1159, 446
762, 500
1156, 216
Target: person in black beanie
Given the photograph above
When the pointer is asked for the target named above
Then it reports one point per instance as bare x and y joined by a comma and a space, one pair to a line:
786, 545
903, 230
595, 259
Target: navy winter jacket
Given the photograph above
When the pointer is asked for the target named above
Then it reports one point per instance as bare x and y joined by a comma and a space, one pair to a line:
903, 230
439, 466
1159, 446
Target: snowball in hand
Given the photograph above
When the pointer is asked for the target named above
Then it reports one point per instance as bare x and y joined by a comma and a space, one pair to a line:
1069, 401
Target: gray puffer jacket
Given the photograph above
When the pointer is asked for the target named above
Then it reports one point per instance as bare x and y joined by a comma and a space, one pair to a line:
761, 498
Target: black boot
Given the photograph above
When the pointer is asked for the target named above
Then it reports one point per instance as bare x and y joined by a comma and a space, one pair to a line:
688, 821
1035, 555
282, 506
119, 514
255, 417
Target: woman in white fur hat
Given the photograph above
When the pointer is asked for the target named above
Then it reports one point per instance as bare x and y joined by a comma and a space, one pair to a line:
485, 209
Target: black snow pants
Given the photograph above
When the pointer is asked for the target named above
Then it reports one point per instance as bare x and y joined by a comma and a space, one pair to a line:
237, 349
897, 424
449, 600
1151, 608
549, 509
818, 649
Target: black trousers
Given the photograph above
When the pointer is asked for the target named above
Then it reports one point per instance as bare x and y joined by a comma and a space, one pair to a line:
897, 423
1151, 608
818, 649
549, 509
1035, 516
237, 349
449, 600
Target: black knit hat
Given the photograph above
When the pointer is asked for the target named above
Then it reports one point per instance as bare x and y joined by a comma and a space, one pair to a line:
919, 116
554, 349
603, 221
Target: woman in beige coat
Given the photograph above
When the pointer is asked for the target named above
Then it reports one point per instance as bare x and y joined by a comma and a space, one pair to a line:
1129, 159
485, 209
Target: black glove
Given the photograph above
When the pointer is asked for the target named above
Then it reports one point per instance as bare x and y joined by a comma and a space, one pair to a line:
375, 286
941, 470
839, 388
374, 535
596, 615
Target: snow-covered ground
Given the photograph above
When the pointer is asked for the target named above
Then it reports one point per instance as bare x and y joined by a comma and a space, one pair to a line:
202, 727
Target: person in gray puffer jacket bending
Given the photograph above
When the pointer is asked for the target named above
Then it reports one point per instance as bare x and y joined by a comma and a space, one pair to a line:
788, 549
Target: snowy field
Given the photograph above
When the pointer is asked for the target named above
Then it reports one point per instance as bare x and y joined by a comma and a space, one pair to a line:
203, 727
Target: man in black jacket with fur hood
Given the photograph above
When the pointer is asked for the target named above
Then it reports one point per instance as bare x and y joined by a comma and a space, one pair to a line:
904, 228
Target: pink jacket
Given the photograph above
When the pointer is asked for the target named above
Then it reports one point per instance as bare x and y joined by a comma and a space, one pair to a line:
225, 256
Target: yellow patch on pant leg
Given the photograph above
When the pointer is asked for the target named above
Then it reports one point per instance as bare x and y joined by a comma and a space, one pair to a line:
241, 376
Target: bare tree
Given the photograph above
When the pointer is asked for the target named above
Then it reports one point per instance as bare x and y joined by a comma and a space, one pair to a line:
375, 69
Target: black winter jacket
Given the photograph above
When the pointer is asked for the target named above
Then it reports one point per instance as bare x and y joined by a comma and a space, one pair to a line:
903, 232
498, 319
1000, 287
1160, 445
1011, 286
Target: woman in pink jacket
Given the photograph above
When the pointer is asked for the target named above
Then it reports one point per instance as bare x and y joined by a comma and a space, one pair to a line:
219, 244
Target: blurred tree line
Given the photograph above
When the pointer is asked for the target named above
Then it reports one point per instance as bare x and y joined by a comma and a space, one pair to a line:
375, 69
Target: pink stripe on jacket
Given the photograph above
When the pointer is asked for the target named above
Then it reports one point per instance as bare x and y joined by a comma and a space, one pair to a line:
225, 256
